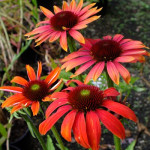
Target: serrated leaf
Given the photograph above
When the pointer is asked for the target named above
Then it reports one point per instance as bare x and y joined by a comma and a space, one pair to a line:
131, 146
49, 144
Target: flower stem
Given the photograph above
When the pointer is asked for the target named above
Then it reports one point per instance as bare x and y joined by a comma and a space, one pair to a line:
116, 139
58, 138
35, 130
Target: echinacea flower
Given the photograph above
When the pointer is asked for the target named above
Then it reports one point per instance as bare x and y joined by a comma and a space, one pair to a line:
68, 20
33, 91
86, 106
108, 53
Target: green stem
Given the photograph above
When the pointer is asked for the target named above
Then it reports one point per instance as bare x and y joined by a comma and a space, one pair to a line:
116, 139
58, 138
36, 132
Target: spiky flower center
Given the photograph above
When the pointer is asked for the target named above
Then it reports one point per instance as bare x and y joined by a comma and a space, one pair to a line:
64, 19
85, 98
36, 90
106, 50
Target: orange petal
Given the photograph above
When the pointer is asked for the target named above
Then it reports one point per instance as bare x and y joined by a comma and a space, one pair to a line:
46, 12
35, 107
16, 108
57, 9
63, 40
65, 6
77, 36
39, 71
19, 80
56, 85
113, 72
13, 89
30, 72
73, 5
79, 6
53, 76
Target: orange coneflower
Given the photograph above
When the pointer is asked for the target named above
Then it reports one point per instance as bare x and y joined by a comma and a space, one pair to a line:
110, 52
69, 19
33, 91
86, 106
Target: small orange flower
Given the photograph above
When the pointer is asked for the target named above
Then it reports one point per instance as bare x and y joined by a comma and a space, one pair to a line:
86, 106
33, 91
69, 19
109, 51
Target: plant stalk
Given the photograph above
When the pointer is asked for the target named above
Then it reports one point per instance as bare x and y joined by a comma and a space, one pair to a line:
116, 139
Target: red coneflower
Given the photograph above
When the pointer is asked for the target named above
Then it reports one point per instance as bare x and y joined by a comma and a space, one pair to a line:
86, 106
109, 51
69, 19
33, 91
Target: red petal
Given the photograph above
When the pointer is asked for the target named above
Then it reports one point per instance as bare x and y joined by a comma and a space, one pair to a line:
120, 109
59, 95
79, 130
35, 107
111, 123
30, 72
13, 89
54, 105
118, 37
93, 129
53, 76
125, 59
46, 125
67, 125
111, 92
19, 80
76, 81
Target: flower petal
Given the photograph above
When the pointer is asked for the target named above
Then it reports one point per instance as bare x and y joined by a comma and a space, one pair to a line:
46, 125
123, 71
111, 92
111, 123
54, 105
79, 7
39, 71
65, 6
31, 73
118, 37
120, 109
13, 89
46, 12
79, 130
57, 9
35, 107
53, 76
125, 59
19, 80
54, 36
67, 125
113, 72
93, 129
77, 36
63, 40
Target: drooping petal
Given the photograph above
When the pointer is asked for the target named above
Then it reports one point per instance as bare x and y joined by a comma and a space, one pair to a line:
39, 71
111, 123
120, 109
53, 76
46, 125
84, 67
19, 80
80, 131
67, 125
31, 73
111, 92
11, 89
57, 9
46, 12
55, 36
123, 71
35, 107
77, 36
93, 129
124, 59
113, 72
16, 108
54, 105
63, 40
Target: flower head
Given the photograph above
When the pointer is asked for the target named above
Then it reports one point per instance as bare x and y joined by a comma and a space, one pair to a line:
86, 106
33, 91
69, 19
108, 52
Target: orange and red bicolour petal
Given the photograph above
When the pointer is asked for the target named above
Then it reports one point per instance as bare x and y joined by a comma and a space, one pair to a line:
120, 109
19, 80
39, 71
11, 89
35, 107
30, 72
93, 130
111, 123
65, 21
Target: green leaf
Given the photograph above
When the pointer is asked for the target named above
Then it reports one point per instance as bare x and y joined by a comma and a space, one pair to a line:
49, 144
3, 131
2, 140
131, 146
